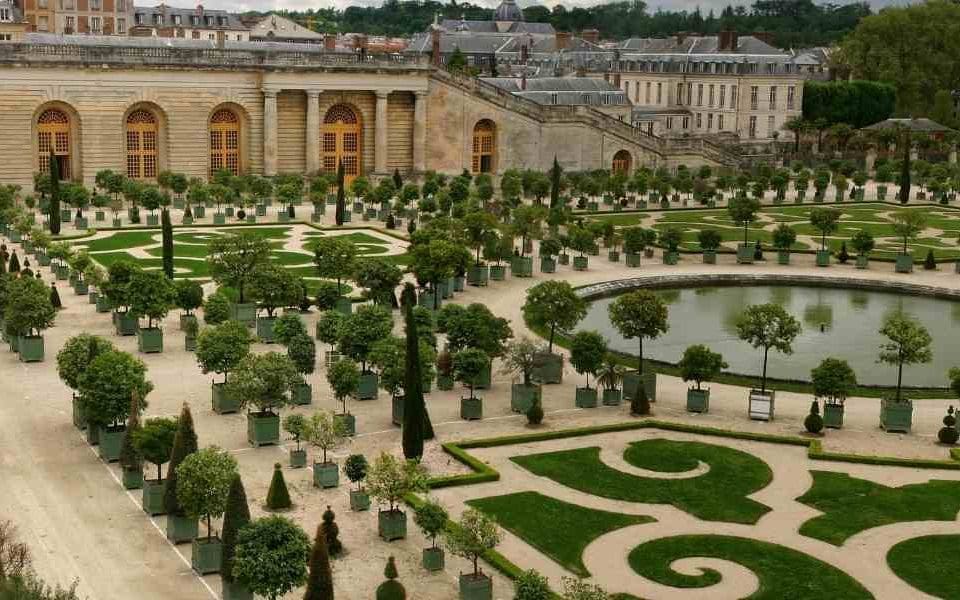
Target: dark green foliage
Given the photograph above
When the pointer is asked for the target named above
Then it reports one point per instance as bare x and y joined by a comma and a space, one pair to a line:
391, 589
235, 518
320, 581
54, 211
55, 296
356, 468
14, 265
166, 232
416, 420
757, 251
639, 403
130, 457
856, 103
555, 174
184, 444
302, 350
843, 256
341, 194
814, 422
948, 434
154, 440
930, 263
278, 498
535, 412
331, 532
531, 585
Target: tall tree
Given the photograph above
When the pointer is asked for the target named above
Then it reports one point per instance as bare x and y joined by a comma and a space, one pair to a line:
416, 420
555, 173
166, 232
341, 194
184, 444
320, 580
54, 194
235, 518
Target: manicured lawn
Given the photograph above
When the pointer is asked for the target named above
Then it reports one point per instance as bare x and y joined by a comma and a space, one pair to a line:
558, 529
121, 240
852, 505
720, 494
929, 563
784, 574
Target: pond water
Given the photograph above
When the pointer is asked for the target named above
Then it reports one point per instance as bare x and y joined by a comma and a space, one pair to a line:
842, 323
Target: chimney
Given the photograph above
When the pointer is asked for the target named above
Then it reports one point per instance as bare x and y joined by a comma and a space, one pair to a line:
563, 40
330, 42
435, 47
200, 10
590, 35
221, 39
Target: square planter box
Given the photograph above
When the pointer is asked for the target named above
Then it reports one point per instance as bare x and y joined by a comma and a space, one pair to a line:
783, 257
649, 385
186, 220
446, 290
125, 324
523, 396
93, 297
103, 304
263, 429
199, 212
153, 220
709, 257
298, 458
348, 422
580, 263
229, 211
367, 390
283, 217
359, 501
79, 420
698, 401
182, 529
633, 260
260, 210
302, 394
547, 265
478, 587
863, 262
832, 415
392, 525
222, 402
62, 272
250, 218
117, 222
396, 412
760, 405
613, 256
471, 409
219, 219
612, 397
548, 368
65, 215
245, 313
498, 272
478, 275
522, 266
586, 397
563, 259
152, 499
30, 348
265, 329
326, 475
132, 479
823, 258
745, 254
81, 223
184, 319
44, 260
433, 559
904, 263
896, 416
150, 341
93, 435
110, 442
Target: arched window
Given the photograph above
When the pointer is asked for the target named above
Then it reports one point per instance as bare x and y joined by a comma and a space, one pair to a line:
225, 141
340, 137
141, 145
484, 147
622, 162
53, 135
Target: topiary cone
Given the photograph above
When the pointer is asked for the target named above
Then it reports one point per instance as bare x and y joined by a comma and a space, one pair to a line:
320, 582
814, 422
391, 589
235, 517
278, 498
331, 532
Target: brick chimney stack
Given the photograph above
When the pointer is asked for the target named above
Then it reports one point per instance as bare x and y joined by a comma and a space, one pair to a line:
563, 40
330, 42
590, 35
435, 47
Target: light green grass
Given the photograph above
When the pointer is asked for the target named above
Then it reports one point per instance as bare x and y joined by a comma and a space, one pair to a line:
121, 240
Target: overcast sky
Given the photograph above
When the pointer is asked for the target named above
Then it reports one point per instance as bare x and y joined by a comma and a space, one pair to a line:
264, 5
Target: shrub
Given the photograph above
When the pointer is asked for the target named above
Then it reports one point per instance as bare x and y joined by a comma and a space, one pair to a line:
535, 413
331, 532
216, 309
278, 497
473, 535
814, 422
154, 441
235, 517
930, 263
203, 483
391, 589
431, 518
355, 468
843, 256
288, 326
320, 582
271, 557
948, 434
531, 585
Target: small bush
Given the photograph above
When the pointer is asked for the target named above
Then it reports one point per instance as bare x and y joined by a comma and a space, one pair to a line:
278, 497
948, 434
844, 256
814, 422
535, 413
331, 532
930, 263
531, 585
391, 589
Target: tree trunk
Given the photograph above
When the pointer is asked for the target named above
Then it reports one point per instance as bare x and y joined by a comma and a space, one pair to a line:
763, 380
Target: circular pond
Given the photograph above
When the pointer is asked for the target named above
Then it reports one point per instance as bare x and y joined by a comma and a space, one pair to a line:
842, 323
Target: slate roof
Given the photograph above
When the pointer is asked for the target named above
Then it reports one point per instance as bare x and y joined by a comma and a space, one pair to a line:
232, 20
746, 44
561, 90
920, 125
283, 28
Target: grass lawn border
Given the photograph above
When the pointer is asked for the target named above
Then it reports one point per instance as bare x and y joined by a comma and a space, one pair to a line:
929, 573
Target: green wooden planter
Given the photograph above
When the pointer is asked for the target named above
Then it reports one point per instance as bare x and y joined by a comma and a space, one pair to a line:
863, 262
745, 254
347, 422
392, 525
298, 458
199, 212
433, 559
396, 411
30, 348
446, 289
132, 479
896, 416
478, 275
150, 341
343, 306
79, 420
92, 297
181, 530
245, 313
521, 266
186, 220
649, 385
612, 397
823, 258
471, 409
783, 257
125, 324
459, 283
265, 329
153, 220
62, 272
65, 215
698, 401
833, 415
359, 501
563, 259
221, 401
104, 305
548, 368
445, 382
633, 260
302, 394
476, 587
709, 257
93, 435
81, 223
904, 263
152, 497
586, 397
110, 442
263, 429
368, 388
523, 396
260, 210
326, 475
580, 263
548, 265
229, 211
43, 259
498, 272
282, 216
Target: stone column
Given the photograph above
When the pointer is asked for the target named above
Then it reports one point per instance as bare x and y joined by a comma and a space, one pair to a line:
270, 132
380, 129
313, 131
420, 131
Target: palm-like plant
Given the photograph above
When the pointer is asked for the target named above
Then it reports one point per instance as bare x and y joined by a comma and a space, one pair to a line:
610, 374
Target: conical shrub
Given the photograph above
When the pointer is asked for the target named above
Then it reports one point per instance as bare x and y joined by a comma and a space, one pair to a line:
331, 532
235, 517
184, 444
55, 296
278, 498
391, 589
320, 582
814, 422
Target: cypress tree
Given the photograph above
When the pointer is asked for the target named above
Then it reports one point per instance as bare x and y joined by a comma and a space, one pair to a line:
54, 194
320, 582
555, 183
391, 589
166, 231
331, 531
930, 263
235, 517
341, 194
905, 170
278, 498
416, 420
184, 444
397, 180
14, 266
54, 296
130, 458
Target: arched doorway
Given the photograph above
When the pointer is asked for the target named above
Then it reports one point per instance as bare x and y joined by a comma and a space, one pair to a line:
622, 162
53, 135
142, 129
340, 136
484, 147
225, 141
